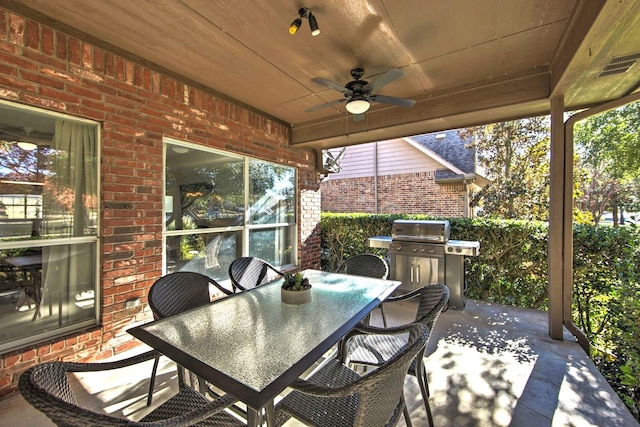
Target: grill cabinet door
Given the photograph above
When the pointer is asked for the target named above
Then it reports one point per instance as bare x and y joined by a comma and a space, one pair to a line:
417, 271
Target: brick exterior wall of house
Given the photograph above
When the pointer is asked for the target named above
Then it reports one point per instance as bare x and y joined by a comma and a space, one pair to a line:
415, 193
137, 106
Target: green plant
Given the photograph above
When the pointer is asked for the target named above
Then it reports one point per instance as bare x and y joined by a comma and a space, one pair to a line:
295, 282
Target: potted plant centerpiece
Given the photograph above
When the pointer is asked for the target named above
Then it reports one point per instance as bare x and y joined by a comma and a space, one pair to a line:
296, 289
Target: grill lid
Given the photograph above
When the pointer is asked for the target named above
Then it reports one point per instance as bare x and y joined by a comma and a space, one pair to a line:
433, 231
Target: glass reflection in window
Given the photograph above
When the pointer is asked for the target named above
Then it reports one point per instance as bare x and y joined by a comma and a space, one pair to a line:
48, 191
203, 189
273, 244
205, 206
271, 193
206, 253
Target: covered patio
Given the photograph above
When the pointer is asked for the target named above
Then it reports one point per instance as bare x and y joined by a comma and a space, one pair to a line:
489, 365
463, 63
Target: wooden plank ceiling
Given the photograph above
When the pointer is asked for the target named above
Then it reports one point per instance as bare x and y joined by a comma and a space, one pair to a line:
464, 62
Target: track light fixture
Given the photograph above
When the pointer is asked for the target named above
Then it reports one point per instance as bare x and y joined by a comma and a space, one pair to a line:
295, 25
305, 12
314, 25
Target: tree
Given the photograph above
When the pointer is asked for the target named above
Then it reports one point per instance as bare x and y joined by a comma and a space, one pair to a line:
608, 144
515, 156
17, 164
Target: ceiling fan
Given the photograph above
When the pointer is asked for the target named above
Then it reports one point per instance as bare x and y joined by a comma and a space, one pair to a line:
358, 94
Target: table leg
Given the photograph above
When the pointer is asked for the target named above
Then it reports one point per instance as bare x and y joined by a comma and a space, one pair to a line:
36, 283
270, 414
254, 418
258, 418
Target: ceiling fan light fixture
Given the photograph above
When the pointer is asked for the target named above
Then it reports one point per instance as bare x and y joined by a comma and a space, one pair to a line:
26, 146
359, 94
179, 150
358, 106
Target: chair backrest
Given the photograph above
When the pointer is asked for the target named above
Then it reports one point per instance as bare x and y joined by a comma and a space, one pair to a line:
381, 390
47, 389
177, 292
433, 299
368, 265
249, 272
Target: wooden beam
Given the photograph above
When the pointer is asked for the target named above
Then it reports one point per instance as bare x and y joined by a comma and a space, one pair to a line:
556, 220
586, 14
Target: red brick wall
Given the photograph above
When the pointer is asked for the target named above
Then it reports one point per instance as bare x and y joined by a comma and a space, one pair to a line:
415, 193
137, 106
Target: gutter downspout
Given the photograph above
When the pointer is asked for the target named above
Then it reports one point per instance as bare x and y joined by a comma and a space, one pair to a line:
560, 268
375, 177
567, 256
466, 198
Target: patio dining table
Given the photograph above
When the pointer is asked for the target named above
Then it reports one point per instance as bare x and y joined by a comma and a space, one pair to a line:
31, 266
252, 346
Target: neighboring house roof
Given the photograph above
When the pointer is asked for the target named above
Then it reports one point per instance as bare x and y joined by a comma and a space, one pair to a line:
449, 149
443, 153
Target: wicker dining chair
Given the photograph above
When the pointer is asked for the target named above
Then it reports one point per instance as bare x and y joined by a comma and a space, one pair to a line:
249, 272
337, 396
370, 346
175, 293
46, 387
368, 265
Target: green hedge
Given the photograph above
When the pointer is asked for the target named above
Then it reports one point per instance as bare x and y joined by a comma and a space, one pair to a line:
513, 269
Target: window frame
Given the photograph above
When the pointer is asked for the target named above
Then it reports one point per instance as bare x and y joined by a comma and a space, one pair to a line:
246, 227
94, 240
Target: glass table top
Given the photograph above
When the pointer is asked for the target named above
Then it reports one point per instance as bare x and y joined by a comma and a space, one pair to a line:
252, 345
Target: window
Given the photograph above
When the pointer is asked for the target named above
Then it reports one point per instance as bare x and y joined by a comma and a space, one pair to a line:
48, 225
220, 206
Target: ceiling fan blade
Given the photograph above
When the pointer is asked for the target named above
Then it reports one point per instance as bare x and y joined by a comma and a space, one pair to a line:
383, 80
392, 100
326, 104
331, 85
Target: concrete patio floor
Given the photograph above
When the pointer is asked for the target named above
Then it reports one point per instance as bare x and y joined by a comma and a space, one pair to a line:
489, 365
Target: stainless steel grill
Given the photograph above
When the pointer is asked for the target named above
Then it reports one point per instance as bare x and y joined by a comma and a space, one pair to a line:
421, 253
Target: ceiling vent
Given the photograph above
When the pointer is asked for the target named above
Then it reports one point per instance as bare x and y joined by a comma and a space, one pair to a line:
619, 64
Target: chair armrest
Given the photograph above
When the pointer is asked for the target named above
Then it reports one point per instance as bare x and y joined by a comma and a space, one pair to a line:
391, 330
117, 364
334, 369
307, 387
202, 413
362, 329
335, 379
403, 297
433, 299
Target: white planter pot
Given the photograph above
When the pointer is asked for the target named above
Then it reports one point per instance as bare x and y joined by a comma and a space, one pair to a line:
295, 297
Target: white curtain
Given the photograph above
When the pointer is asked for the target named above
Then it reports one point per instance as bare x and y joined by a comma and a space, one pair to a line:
75, 164
68, 270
